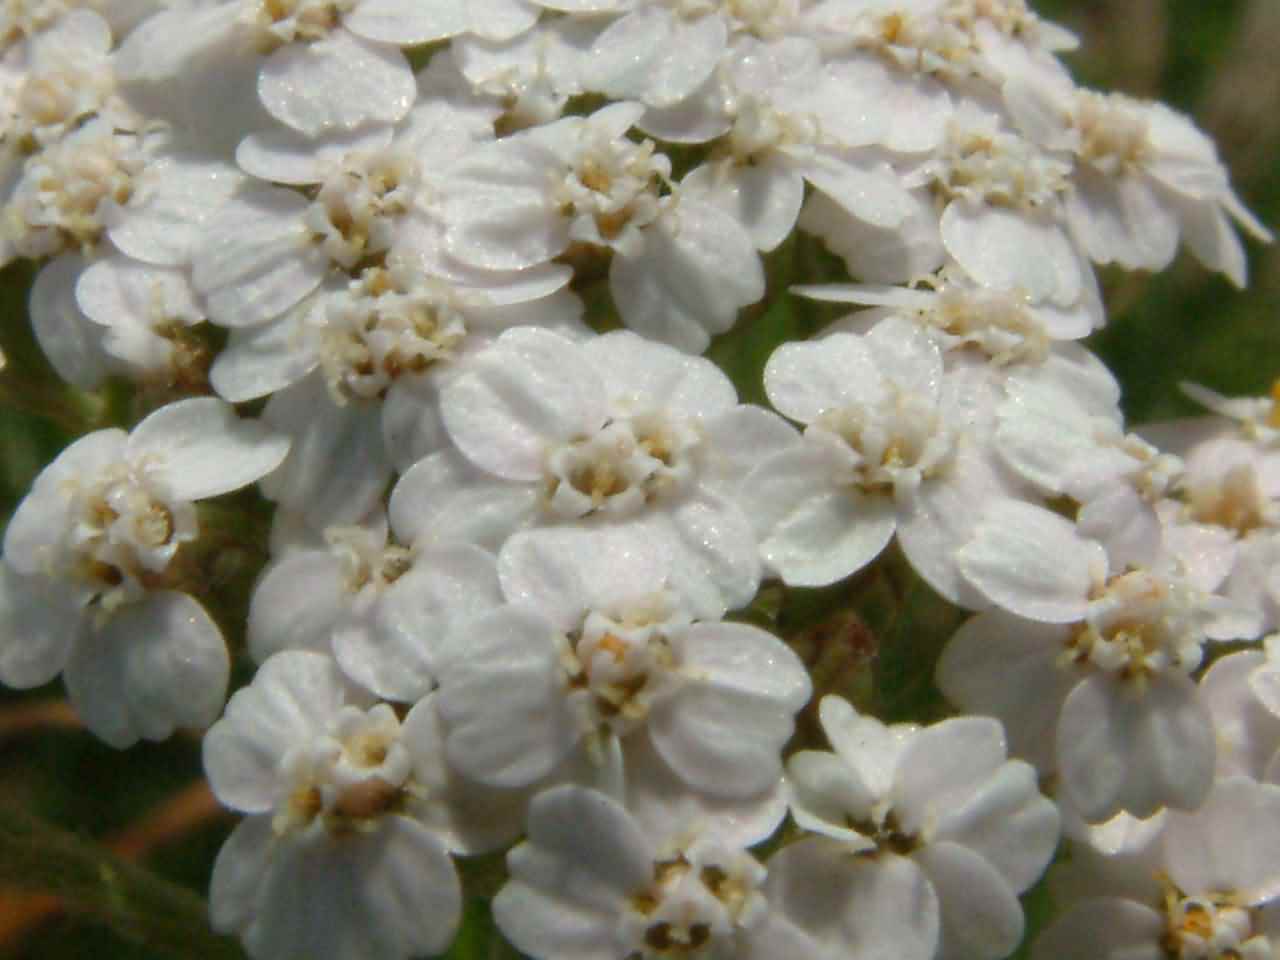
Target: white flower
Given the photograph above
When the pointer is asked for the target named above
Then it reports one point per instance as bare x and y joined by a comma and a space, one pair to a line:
88, 577
381, 609
883, 452
146, 312
592, 883
352, 817
1144, 176
598, 658
1061, 428
1208, 888
936, 816
1114, 649
613, 431
1003, 221
525, 199
1242, 692
962, 314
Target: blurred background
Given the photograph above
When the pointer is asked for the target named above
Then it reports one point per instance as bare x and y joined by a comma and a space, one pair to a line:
1214, 60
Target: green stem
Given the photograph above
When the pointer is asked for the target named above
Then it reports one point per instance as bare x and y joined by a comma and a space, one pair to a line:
37, 857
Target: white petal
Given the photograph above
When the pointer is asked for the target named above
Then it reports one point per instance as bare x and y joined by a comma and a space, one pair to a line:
258, 361
981, 918
165, 219
532, 389
881, 909
72, 343
1032, 562
38, 625
408, 22
282, 155
711, 554
1246, 731
640, 375
764, 198
813, 531
123, 293
396, 655
1008, 823
563, 572
199, 448
296, 604
1003, 249
722, 741
940, 518
826, 794
656, 56
737, 440
237, 872
156, 666
444, 498
291, 700
865, 744
1108, 928
337, 469
943, 765
390, 892
1004, 666
501, 701
583, 856
698, 268
256, 259
339, 82
44, 514
1230, 843
1118, 751
872, 196
807, 379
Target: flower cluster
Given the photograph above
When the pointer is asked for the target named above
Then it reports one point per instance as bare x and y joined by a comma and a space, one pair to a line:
437, 277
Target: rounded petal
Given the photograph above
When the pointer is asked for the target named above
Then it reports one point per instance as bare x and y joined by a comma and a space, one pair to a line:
443, 498
1104, 929
562, 572
199, 448
584, 855
1008, 823
1230, 843
501, 700
293, 696
943, 765
38, 625
698, 269
1032, 562
68, 338
640, 375
297, 603
390, 892
807, 379
871, 909
155, 666
814, 531
396, 654
981, 917
166, 216
339, 82
1123, 750
725, 742
531, 389
1005, 666
256, 259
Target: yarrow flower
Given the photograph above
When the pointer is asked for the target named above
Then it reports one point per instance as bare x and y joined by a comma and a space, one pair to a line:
558, 524
90, 577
